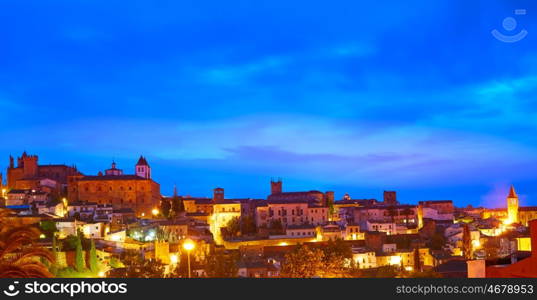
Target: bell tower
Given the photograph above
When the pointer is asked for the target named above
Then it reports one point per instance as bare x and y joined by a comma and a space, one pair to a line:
142, 168
512, 206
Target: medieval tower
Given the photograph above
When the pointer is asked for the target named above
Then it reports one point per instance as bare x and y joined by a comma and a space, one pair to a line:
512, 206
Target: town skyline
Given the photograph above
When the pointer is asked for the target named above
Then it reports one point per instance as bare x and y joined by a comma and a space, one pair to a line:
426, 102
492, 199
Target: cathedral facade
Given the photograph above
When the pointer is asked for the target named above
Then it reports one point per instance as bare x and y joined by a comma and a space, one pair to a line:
137, 191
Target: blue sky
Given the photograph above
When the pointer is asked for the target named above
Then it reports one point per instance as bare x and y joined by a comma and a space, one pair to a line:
413, 96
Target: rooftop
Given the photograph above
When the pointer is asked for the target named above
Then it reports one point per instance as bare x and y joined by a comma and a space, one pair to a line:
112, 177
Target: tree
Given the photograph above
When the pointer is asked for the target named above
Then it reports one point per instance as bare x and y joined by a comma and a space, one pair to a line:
177, 205
303, 262
80, 265
221, 265
48, 227
146, 269
248, 225
381, 272
165, 207
466, 242
437, 241
233, 226
331, 208
181, 269
417, 262
93, 262
20, 256
335, 255
69, 243
276, 226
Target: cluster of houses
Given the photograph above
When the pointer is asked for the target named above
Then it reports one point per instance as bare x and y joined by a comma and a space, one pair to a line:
119, 213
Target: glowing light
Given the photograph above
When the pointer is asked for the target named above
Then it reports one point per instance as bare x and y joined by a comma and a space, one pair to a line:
155, 212
189, 245
174, 259
283, 244
64, 201
42, 236
101, 274
395, 260
4, 193
409, 268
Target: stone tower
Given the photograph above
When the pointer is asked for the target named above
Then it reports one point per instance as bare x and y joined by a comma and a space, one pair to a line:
512, 206
143, 169
390, 197
28, 164
218, 194
276, 186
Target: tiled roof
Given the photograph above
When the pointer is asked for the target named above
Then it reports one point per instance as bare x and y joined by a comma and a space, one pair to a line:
112, 177
142, 162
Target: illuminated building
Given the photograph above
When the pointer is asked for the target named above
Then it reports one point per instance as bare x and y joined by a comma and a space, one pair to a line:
138, 192
223, 212
526, 268
364, 258
317, 197
514, 213
290, 213
28, 174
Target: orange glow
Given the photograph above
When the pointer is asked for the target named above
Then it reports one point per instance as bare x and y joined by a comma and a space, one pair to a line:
189, 245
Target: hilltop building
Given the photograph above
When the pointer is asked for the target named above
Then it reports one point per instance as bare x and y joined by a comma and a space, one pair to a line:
513, 214
138, 191
29, 174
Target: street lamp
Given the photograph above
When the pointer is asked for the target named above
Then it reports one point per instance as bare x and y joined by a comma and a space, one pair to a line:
188, 245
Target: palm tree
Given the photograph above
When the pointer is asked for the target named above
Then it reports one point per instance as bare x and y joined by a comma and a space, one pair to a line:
20, 256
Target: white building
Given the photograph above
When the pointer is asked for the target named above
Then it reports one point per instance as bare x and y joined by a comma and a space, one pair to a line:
364, 258
381, 226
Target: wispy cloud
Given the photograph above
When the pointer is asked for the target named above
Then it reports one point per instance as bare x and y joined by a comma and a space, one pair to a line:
313, 148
